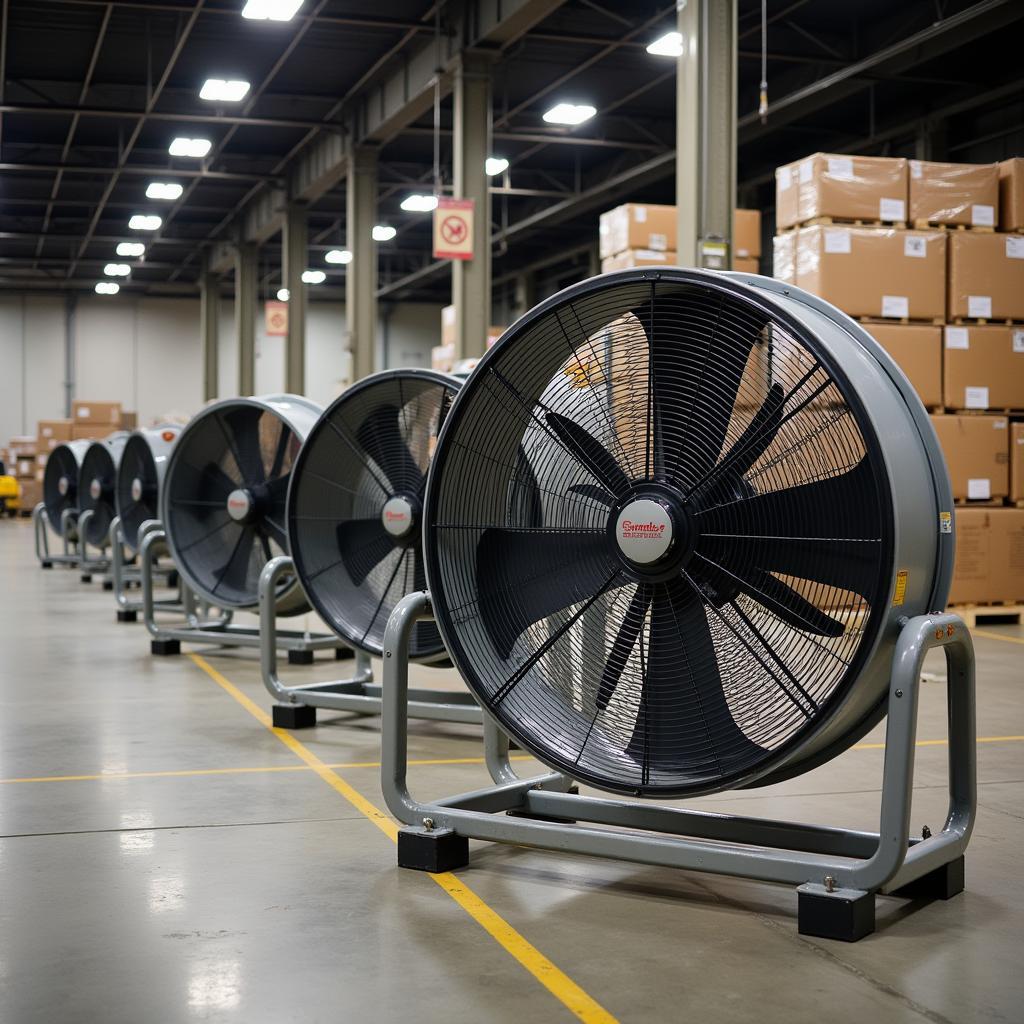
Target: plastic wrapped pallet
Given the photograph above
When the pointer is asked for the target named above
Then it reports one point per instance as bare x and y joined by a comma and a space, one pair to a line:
943, 193
869, 188
983, 367
917, 349
1011, 194
977, 455
986, 276
784, 257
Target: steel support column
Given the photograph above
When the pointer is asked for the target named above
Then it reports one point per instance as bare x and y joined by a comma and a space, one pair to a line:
209, 323
361, 275
294, 254
471, 279
245, 315
706, 132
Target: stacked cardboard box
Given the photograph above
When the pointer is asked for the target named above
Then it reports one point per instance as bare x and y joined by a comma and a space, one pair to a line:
94, 419
942, 193
989, 564
442, 357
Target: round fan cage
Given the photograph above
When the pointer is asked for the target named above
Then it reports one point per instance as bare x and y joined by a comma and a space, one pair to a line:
672, 521
97, 482
60, 481
355, 501
223, 497
139, 476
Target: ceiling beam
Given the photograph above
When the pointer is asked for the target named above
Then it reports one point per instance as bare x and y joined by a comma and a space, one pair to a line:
159, 172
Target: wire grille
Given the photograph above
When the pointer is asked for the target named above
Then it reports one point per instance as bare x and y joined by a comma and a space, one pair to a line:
699, 671
136, 465
60, 483
97, 478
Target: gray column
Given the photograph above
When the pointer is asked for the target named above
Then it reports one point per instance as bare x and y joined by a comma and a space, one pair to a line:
525, 293
245, 316
361, 273
471, 279
706, 132
209, 322
294, 251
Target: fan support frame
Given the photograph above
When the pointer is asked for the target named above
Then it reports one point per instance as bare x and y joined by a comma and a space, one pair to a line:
69, 538
296, 705
123, 574
837, 871
88, 564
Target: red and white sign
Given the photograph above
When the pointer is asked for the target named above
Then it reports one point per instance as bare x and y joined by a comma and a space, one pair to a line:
276, 315
453, 229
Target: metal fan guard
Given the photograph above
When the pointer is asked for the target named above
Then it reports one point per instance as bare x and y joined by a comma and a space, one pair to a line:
100, 462
146, 450
909, 472
64, 462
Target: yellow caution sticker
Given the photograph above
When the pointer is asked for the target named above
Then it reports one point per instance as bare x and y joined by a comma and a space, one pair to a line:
901, 587
945, 522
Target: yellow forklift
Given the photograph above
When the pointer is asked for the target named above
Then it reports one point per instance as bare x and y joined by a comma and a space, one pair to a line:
9, 492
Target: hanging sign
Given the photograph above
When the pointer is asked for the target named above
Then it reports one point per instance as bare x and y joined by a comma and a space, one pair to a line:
453, 229
276, 316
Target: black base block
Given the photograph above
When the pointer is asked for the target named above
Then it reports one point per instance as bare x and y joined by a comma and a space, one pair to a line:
172, 579
941, 884
47, 565
300, 657
293, 716
434, 851
343, 653
85, 577
127, 616
165, 647
836, 917
108, 584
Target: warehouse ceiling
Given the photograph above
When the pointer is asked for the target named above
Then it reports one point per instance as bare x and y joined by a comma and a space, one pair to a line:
94, 93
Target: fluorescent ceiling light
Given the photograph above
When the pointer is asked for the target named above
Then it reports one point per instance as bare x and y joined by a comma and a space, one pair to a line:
668, 45
282, 294
338, 256
495, 165
107, 287
197, 148
117, 270
313, 277
419, 203
130, 248
224, 90
145, 222
570, 113
163, 190
271, 10
383, 232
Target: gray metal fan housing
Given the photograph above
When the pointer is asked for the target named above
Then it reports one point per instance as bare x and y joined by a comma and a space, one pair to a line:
97, 484
158, 441
60, 482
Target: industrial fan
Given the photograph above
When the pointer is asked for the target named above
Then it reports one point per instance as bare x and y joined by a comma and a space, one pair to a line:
60, 481
97, 479
139, 476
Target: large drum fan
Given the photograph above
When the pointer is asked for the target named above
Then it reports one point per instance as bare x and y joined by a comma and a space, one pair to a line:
97, 479
355, 504
139, 476
672, 523
60, 480
224, 493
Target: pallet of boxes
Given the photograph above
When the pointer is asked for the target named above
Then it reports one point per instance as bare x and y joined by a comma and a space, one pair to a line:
442, 357
20, 460
930, 257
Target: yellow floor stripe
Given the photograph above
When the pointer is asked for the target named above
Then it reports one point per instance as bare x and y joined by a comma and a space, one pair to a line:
997, 636
559, 984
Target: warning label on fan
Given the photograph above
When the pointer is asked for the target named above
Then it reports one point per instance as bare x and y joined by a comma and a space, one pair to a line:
901, 587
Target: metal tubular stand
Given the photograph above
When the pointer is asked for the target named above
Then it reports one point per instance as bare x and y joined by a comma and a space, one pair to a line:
837, 871
40, 521
296, 705
124, 575
198, 628
87, 565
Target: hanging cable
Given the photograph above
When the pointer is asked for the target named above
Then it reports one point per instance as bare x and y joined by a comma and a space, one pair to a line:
762, 106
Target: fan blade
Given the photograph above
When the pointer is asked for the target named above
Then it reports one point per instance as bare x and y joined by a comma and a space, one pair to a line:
829, 531
590, 452
754, 441
381, 438
216, 484
235, 570
622, 647
279, 453
525, 576
363, 544
594, 493
242, 431
275, 530
684, 722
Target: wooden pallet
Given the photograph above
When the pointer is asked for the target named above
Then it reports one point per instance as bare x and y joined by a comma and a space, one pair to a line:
931, 225
935, 321
980, 321
979, 502
984, 412
851, 222
973, 614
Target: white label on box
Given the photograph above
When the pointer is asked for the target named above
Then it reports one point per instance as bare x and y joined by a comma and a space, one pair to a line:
1018, 341
47, 431
979, 306
650, 254
640, 214
999, 424
785, 178
83, 412
841, 167
806, 171
1015, 247
915, 245
957, 337
837, 241
975, 398
895, 305
979, 490
916, 170
892, 209
983, 215
659, 242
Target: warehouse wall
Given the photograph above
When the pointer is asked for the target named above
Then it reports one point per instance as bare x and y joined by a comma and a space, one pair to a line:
145, 353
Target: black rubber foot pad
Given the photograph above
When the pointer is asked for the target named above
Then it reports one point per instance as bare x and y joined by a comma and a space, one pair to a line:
123, 616
300, 657
438, 850
293, 716
343, 653
941, 884
164, 647
108, 585
836, 917
85, 578
47, 565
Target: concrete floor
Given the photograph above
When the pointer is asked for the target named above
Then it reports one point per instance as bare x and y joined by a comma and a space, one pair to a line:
197, 870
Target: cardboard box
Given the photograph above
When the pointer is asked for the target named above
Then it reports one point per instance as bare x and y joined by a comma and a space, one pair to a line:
787, 196
746, 266
638, 226
954, 193
1017, 462
638, 258
852, 187
442, 358
989, 562
448, 325
917, 350
1011, 195
53, 430
22, 446
83, 411
129, 420
746, 234
93, 431
40, 475
986, 275
881, 272
31, 493
983, 367
977, 455
784, 257
24, 468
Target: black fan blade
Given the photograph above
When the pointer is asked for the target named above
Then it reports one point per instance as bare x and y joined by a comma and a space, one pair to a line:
590, 452
215, 484
279, 453
234, 572
273, 528
684, 722
622, 647
829, 531
754, 441
242, 430
594, 493
524, 576
363, 544
381, 438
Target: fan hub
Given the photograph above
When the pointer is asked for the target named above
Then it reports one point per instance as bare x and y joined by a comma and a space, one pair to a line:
240, 505
62, 486
652, 532
400, 516
136, 489
95, 489
644, 531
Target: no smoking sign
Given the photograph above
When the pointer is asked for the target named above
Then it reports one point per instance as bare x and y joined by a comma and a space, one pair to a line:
453, 229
